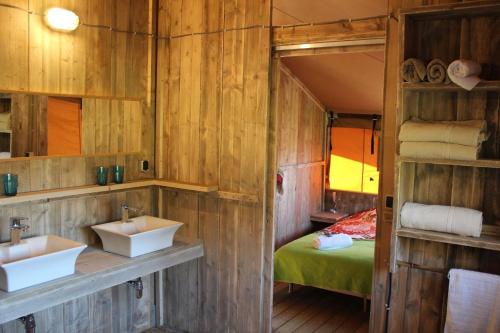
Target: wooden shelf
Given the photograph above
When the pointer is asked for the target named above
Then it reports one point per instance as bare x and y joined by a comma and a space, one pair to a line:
186, 186
493, 164
95, 270
71, 191
427, 86
488, 242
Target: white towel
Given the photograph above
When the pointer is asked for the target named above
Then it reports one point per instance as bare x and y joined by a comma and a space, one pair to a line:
468, 133
455, 220
464, 73
336, 241
473, 302
439, 150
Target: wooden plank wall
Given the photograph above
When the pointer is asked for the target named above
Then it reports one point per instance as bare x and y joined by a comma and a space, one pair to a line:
212, 111
111, 126
421, 308
90, 62
300, 131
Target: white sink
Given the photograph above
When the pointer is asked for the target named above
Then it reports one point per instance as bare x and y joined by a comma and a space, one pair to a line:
143, 234
37, 260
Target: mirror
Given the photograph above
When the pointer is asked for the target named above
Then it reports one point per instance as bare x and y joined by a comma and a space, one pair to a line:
41, 125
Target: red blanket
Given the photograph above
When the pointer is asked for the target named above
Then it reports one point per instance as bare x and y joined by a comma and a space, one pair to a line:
360, 225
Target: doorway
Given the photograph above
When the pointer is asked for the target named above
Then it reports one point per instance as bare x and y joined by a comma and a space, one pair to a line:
327, 101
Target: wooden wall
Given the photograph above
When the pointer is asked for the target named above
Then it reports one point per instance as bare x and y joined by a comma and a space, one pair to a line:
90, 62
111, 126
350, 202
300, 131
212, 111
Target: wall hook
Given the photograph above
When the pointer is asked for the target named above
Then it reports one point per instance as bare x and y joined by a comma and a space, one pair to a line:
29, 323
138, 286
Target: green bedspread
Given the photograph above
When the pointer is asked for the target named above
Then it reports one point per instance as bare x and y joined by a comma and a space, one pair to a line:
348, 269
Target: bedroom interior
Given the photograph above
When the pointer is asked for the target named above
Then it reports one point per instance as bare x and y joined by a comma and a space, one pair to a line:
249, 166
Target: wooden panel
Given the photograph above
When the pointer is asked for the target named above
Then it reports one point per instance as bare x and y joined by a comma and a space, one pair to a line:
111, 126
300, 134
212, 109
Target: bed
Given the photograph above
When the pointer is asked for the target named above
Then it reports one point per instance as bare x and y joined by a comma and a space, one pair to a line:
347, 270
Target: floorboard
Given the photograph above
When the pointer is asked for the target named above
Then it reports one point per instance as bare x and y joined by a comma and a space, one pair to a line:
307, 310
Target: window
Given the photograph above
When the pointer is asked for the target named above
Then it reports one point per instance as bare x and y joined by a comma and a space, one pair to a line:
353, 168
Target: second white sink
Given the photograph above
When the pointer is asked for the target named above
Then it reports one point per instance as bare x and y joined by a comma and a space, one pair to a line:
143, 234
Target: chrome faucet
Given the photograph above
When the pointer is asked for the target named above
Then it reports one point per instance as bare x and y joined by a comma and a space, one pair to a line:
125, 212
16, 228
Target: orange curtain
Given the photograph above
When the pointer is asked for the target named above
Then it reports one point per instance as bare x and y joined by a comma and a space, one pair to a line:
63, 126
353, 167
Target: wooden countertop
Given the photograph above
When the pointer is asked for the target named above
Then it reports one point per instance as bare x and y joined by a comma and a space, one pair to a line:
95, 270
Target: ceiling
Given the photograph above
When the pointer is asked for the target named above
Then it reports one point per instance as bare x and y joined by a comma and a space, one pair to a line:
313, 11
344, 82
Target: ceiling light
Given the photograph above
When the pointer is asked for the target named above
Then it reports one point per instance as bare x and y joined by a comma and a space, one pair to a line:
61, 19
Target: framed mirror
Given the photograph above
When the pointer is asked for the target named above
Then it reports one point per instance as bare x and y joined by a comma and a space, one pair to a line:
42, 125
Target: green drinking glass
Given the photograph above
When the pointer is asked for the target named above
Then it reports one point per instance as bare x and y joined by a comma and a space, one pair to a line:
10, 184
117, 171
102, 175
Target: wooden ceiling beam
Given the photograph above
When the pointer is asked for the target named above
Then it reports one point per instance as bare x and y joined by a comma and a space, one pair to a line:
363, 29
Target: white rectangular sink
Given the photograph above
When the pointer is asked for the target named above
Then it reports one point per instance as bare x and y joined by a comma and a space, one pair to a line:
141, 235
37, 260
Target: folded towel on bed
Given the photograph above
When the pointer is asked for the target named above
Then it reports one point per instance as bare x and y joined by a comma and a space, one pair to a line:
436, 71
468, 133
456, 220
438, 150
473, 302
413, 70
332, 242
464, 73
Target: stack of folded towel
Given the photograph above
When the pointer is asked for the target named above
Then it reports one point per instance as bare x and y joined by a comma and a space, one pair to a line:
332, 241
459, 140
455, 220
464, 73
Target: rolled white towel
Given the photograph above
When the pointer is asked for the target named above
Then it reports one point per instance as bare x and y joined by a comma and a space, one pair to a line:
336, 241
464, 73
455, 220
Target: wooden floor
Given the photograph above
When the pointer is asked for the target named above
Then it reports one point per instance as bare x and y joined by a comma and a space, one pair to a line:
315, 310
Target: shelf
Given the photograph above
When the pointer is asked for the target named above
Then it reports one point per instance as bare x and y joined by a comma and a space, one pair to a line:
489, 242
451, 87
95, 270
95, 189
186, 186
493, 164
71, 191
6, 131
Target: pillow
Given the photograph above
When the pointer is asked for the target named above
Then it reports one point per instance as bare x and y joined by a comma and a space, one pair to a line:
361, 225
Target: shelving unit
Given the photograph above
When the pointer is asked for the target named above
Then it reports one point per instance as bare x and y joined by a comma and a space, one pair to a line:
471, 184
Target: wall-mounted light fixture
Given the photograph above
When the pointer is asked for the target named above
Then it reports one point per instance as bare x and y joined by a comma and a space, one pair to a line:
61, 19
